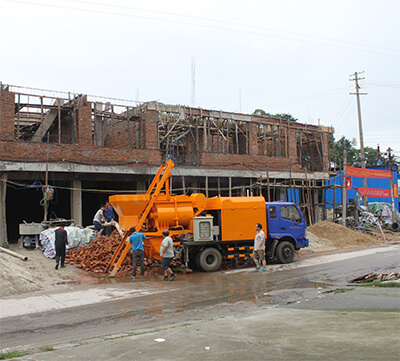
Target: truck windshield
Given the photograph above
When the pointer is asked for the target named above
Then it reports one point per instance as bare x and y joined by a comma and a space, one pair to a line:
290, 213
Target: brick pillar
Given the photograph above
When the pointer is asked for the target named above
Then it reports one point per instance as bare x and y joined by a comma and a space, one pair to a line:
253, 145
7, 103
292, 141
84, 119
325, 150
150, 140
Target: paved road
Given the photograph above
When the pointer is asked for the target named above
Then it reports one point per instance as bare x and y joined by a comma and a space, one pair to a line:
113, 308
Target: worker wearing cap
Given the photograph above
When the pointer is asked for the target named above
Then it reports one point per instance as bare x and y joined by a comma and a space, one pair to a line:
259, 248
167, 254
60, 243
136, 239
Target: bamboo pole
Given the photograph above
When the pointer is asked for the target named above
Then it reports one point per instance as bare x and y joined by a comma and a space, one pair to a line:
24, 258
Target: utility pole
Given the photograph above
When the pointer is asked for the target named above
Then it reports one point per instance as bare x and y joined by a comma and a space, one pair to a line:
344, 190
389, 151
357, 93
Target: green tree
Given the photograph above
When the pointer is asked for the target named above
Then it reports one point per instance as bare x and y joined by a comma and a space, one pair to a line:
263, 113
338, 148
372, 155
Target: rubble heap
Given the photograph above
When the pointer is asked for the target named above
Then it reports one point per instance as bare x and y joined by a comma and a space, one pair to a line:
370, 277
95, 256
339, 236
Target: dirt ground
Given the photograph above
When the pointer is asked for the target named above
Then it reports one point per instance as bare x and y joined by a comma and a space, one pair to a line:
35, 274
38, 273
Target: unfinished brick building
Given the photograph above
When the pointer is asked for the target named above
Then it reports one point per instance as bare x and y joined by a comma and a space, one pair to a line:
88, 148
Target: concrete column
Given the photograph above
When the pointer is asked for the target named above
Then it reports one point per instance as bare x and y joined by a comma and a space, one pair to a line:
281, 194
3, 219
317, 209
183, 185
230, 186
76, 201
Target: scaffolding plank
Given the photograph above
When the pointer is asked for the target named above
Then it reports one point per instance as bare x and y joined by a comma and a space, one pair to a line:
47, 122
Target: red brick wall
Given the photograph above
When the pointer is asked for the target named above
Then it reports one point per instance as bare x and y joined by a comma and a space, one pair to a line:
325, 150
253, 146
77, 153
248, 162
121, 135
120, 150
150, 129
85, 125
292, 143
7, 102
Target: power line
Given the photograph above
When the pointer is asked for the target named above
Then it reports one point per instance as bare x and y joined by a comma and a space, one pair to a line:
383, 85
308, 97
219, 21
293, 35
345, 118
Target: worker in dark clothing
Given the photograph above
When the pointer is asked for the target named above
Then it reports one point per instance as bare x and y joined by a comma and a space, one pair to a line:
109, 216
61, 243
109, 212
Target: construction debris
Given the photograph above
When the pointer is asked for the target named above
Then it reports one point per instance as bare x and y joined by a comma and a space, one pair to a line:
370, 277
337, 236
14, 254
384, 212
95, 256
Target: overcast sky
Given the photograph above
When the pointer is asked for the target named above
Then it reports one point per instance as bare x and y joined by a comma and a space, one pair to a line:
283, 56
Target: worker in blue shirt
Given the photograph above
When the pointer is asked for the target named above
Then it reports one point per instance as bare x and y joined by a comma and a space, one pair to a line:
136, 239
108, 214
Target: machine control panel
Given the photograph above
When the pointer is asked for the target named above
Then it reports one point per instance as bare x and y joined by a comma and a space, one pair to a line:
203, 228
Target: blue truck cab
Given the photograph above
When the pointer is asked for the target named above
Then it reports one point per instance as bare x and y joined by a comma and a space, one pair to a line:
286, 231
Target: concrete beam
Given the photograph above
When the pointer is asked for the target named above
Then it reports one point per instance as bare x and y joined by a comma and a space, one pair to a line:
139, 170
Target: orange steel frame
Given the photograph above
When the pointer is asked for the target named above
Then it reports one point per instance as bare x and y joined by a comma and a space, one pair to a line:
154, 190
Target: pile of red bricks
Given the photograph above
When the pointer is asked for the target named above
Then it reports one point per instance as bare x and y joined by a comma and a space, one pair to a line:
95, 256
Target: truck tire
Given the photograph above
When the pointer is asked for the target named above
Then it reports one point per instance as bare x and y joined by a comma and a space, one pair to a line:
395, 227
285, 252
210, 259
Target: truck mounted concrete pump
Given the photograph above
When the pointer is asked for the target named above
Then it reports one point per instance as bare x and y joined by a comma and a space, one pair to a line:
205, 230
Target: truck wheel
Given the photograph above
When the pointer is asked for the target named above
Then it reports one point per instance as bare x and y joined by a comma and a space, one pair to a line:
210, 259
285, 252
395, 227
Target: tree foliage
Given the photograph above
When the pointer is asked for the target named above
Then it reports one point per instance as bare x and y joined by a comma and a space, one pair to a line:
372, 156
263, 113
